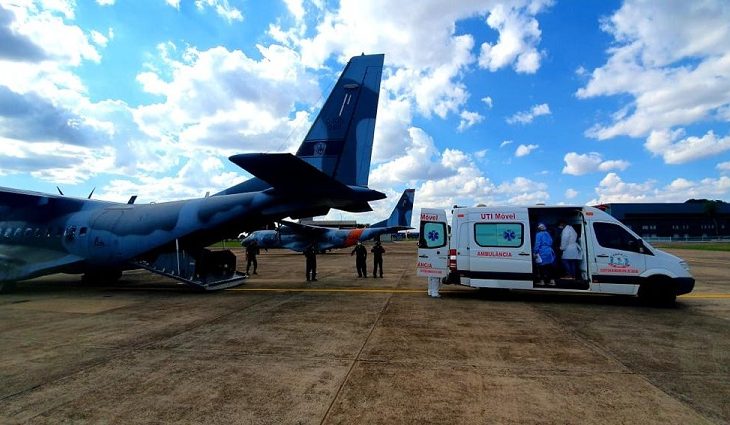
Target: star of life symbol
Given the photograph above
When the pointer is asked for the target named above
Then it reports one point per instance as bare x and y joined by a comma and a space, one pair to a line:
619, 261
320, 148
509, 235
433, 235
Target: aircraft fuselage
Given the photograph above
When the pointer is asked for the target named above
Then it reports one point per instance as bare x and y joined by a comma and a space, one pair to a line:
103, 234
331, 239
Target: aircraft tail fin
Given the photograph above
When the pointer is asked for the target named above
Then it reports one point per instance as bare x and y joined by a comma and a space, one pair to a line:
340, 141
401, 215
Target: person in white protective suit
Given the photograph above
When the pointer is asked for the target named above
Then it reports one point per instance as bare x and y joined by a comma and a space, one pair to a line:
571, 250
433, 287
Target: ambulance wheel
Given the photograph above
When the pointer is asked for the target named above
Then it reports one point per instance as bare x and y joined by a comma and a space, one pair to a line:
658, 292
7, 287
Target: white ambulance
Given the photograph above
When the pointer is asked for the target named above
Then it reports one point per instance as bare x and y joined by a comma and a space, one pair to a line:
491, 247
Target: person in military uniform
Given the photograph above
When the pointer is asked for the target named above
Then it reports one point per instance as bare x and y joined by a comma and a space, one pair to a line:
310, 253
252, 250
378, 252
361, 254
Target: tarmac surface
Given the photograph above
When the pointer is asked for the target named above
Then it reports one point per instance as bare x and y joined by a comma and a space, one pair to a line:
279, 350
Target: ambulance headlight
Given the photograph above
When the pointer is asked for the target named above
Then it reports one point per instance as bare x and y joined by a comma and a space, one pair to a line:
684, 265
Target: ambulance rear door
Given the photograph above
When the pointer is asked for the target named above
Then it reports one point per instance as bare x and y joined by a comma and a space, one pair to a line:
500, 248
433, 244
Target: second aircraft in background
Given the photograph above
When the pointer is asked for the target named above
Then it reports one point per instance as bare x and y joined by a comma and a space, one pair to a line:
298, 237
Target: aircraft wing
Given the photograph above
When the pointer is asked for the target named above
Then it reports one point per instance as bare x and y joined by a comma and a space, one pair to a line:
40, 204
17, 263
305, 228
292, 175
393, 229
355, 207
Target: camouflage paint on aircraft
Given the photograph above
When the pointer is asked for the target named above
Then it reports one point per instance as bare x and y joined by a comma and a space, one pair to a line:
45, 233
297, 236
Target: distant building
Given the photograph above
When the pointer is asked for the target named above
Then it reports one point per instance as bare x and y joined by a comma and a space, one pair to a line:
691, 219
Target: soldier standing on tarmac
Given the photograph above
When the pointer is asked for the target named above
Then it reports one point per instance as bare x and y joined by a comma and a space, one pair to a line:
310, 253
361, 259
252, 250
378, 252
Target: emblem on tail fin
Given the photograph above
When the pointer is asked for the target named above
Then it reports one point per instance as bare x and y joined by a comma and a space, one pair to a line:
319, 149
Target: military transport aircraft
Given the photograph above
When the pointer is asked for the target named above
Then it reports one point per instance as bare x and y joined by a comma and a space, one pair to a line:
298, 237
43, 233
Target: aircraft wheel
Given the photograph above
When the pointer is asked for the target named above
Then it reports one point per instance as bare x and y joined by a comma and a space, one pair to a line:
101, 277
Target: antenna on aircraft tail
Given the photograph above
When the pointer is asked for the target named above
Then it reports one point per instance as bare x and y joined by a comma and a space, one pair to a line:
59, 191
91, 193
132, 199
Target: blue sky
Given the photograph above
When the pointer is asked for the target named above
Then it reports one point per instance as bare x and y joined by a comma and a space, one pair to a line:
494, 102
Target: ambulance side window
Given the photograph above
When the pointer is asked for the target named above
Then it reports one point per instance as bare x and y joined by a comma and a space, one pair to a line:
433, 235
508, 235
610, 235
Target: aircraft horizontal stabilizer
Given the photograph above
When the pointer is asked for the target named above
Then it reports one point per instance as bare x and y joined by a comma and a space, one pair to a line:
291, 175
305, 228
355, 207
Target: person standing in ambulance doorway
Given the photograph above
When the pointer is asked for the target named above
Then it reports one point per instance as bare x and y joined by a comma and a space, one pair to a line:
433, 287
571, 250
544, 256
361, 255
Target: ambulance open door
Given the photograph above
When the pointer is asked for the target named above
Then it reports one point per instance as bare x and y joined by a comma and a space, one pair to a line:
433, 244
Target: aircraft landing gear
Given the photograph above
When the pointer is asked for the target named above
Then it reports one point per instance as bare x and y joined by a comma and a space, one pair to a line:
101, 277
7, 287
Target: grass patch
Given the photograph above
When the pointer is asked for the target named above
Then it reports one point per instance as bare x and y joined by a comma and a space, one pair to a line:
700, 246
229, 243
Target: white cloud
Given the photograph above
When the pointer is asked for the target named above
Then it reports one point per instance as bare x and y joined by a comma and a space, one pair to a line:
613, 189
488, 101
570, 193
221, 7
198, 175
674, 151
65, 7
420, 43
224, 99
526, 117
53, 161
505, 143
481, 154
99, 38
519, 35
524, 150
174, 3
468, 186
421, 161
468, 119
451, 177
579, 164
723, 166
675, 75
105, 2
296, 8
61, 42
